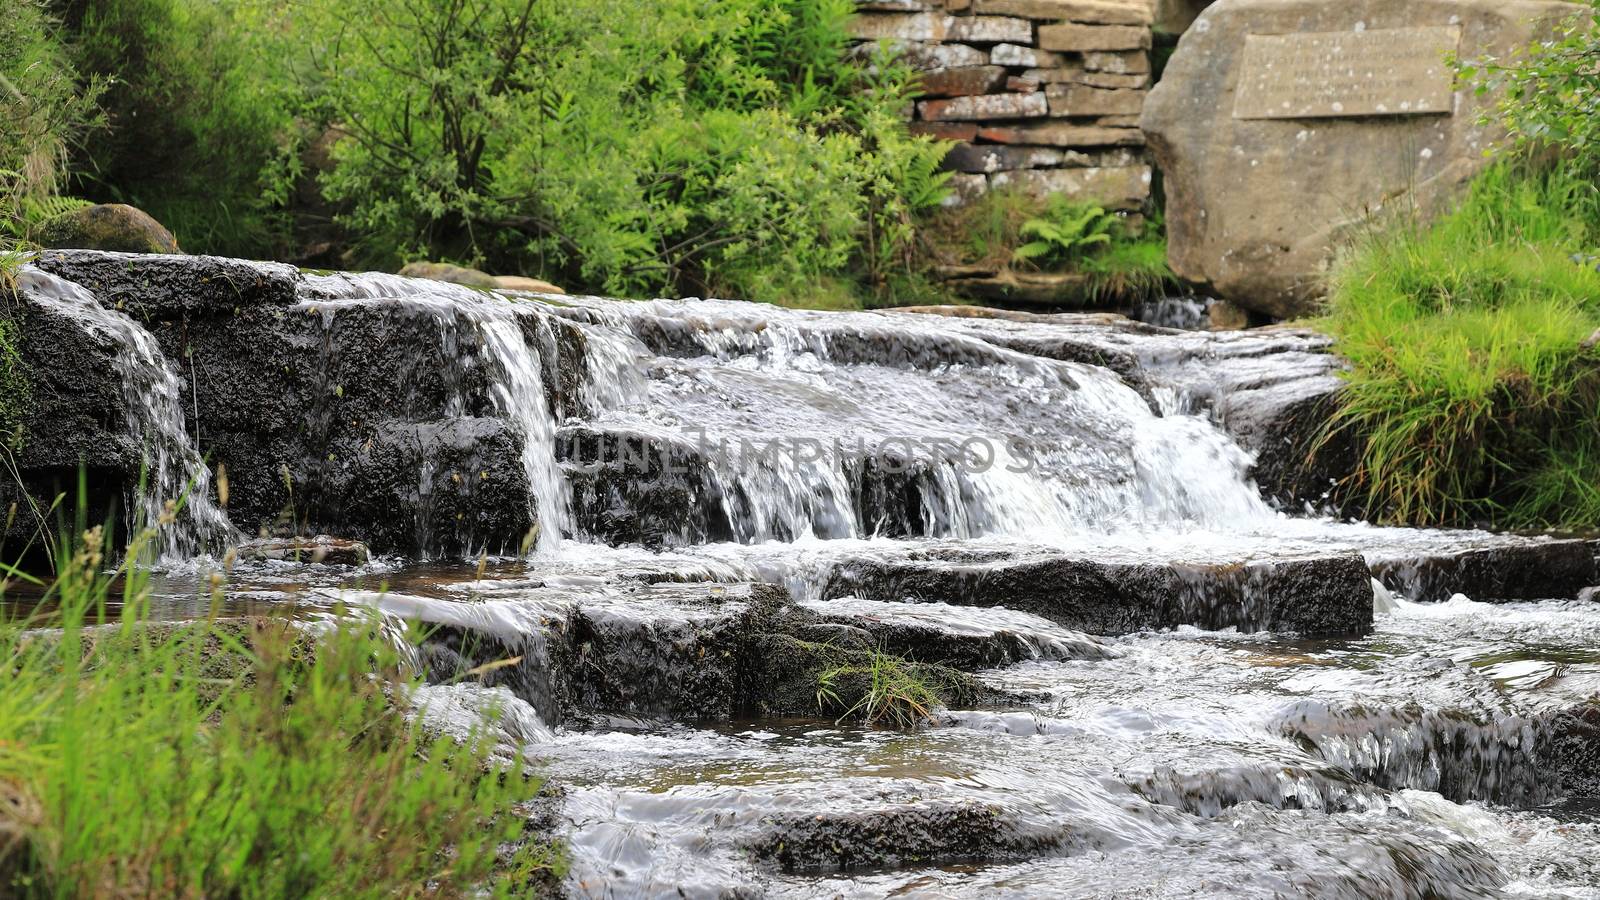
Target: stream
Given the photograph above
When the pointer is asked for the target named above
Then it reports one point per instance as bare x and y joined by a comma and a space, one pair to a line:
1182, 685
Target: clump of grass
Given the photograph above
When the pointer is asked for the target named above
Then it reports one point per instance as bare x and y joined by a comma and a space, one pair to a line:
1473, 387
214, 759
879, 688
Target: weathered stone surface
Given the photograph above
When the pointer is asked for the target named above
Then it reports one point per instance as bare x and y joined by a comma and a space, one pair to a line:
989, 159
1056, 289
989, 29
962, 82
450, 274
1019, 55
107, 226
1523, 570
524, 283
1061, 134
1118, 121
1372, 72
988, 106
1082, 100
1022, 85
945, 131
895, 5
924, 26
924, 55
1126, 187
1255, 207
920, 833
1131, 62
1322, 596
1078, 38
965, 189
1069, 75
1100, 12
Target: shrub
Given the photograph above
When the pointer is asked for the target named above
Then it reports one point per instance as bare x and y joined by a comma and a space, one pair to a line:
662, 146
239, 759
1473, 384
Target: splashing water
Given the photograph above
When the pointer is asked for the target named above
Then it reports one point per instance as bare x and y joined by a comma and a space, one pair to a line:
175, 474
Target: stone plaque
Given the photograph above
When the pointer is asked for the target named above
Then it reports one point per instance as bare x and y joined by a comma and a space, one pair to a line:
1382, 72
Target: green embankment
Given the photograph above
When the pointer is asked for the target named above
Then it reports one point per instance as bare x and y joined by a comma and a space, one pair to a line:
1476, 383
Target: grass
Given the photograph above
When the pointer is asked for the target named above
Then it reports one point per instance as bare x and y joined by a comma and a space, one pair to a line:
16, 384
1473, 387
232, 759
879, 688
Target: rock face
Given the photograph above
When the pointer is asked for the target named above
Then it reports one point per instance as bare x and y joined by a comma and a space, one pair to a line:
1273, 151
108, 226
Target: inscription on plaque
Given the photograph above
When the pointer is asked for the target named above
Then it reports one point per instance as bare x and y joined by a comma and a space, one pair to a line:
1382, 72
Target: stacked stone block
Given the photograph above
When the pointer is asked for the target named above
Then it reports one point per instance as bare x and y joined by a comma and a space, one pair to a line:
1043, 95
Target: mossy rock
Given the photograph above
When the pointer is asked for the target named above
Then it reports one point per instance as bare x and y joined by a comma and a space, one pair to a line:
115, 227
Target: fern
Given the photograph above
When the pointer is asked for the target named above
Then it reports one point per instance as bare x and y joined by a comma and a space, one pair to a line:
1068, 231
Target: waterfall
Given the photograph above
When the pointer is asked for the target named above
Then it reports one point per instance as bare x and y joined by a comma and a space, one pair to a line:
152, 397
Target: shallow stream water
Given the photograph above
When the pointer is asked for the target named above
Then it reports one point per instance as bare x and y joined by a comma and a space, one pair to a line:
1425, 759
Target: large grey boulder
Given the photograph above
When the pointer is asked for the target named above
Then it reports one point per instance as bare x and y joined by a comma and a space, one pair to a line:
1282, 125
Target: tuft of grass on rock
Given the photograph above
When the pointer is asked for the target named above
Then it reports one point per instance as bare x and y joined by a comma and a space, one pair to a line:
880, 688
220, 759
1474, 381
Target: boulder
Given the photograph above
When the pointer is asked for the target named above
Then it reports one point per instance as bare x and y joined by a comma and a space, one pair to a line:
108, 226
434, 271
1283, 125
523, 283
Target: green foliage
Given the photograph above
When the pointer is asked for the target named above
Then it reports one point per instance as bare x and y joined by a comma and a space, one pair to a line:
243, 759
878, 688
662, 146
200, 104
1473, 386
1067, 231
45, 107
1550, 90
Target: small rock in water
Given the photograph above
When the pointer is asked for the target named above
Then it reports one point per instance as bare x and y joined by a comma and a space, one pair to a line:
320, 549
1589, 594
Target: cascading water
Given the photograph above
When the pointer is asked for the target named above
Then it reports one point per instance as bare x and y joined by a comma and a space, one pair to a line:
683, 458
175, 474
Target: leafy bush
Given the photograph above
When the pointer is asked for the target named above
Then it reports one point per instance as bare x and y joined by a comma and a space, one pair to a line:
237, 759
1474, 383
1550, 90
633, 147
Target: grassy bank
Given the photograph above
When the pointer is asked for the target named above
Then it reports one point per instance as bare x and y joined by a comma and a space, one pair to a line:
241, 758
1475, 387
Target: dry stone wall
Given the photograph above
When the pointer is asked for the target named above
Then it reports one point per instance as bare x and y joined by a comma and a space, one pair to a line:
1043, 95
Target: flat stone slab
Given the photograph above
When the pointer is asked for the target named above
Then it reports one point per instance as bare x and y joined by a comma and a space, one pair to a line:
1119, 593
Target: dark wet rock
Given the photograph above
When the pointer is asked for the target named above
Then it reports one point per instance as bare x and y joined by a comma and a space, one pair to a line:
168, 287
375, 421
633, 488
107, 226
1575, 747
1512, 569
320, 549
965, 638
1329, 596
930, 833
